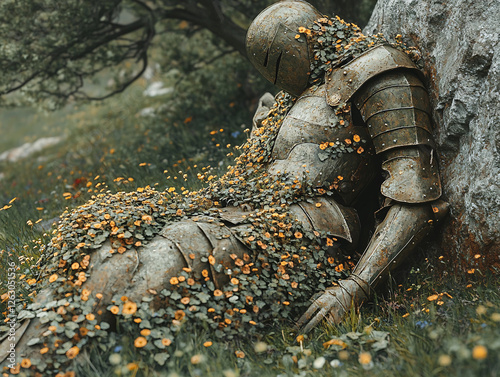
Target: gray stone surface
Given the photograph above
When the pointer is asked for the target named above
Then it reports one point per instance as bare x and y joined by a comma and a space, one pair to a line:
460, 45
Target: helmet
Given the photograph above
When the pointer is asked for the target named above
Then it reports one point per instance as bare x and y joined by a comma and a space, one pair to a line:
273, 49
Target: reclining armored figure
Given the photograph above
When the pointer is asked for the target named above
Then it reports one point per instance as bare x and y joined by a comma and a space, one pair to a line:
286, 207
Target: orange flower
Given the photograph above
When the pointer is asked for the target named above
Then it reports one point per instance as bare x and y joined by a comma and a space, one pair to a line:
140, 342
204, 273
53, 278
479, 352
356, 138
348, 141
72, 352
190, 281
329, 242
75, 266
211, 259
25, 363
298, 235
90, 317
129, 308
132, 366
364, 358
185, 300
179, 315
335, 342
98, 295
207, 344
174, 280
432, 297
114, 309
218, 293
166, 342
83, 331
234, 281
137, 320
360, 150
44, 350
145, 332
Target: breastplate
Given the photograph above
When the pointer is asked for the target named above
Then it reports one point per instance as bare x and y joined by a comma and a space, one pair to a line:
300, 151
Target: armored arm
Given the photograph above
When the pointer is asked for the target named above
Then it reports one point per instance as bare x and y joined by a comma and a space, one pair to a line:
395, 107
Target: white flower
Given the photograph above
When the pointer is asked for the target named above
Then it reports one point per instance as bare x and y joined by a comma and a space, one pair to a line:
319, 362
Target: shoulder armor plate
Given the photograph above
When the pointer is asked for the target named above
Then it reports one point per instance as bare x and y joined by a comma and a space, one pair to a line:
344, 81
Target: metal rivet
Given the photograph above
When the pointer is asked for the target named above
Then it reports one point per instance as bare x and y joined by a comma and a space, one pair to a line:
345, 72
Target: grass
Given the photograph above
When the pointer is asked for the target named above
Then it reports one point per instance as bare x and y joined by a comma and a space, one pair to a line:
437, 321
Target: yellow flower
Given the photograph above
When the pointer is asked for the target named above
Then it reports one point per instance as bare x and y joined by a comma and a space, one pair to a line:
444, 360
196, 359
479, 352
364, 358
140, 342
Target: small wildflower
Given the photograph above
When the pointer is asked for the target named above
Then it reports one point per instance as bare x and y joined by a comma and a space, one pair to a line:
479, 352
140, 342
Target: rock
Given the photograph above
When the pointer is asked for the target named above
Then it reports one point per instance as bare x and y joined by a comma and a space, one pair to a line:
460, 45
27, 149
156, 89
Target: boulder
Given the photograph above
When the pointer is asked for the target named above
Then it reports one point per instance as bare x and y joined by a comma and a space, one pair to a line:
460, 45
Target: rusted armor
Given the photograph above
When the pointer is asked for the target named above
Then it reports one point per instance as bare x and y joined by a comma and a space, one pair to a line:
385, 87
382, 86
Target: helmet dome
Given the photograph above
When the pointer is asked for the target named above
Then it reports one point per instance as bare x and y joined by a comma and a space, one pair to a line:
273, 49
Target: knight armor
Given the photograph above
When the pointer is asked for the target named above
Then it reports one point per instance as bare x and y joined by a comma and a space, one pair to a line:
372, 108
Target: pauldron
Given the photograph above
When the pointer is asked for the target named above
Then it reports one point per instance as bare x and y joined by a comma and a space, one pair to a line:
384, 86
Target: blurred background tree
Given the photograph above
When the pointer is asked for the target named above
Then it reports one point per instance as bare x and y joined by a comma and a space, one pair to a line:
55, 52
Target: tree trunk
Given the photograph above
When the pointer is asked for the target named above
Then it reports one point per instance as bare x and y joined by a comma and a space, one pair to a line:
459, 41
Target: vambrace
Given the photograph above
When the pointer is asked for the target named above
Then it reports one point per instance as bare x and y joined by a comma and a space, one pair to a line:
402, 229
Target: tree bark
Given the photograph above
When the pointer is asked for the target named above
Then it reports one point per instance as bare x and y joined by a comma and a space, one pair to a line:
459, 41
